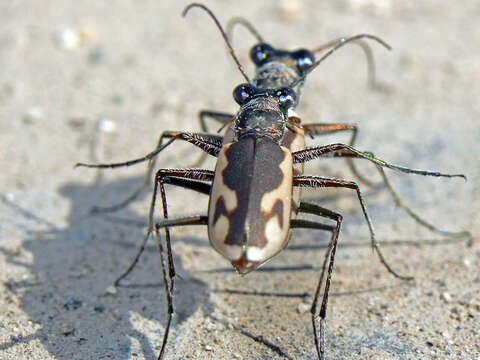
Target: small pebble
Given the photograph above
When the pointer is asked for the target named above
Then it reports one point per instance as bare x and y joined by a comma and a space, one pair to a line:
111, 290
68, 39
302, 308
33, 114
67, 330
211, 326
134, 294
14, 339
77, 123
106, 125
81, 341
73, 304
99, 308
446, 297
97, 56
72, 38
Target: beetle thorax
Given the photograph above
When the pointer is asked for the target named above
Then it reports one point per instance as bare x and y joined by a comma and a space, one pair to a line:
260, 117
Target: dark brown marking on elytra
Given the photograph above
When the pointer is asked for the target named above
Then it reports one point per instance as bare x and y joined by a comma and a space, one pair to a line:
220, 209
277, 211
253, 169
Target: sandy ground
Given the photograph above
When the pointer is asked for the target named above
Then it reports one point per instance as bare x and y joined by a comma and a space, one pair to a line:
99, 81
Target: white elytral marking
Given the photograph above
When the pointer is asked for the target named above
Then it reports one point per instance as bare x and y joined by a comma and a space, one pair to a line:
220, 188
276, 240
220, 231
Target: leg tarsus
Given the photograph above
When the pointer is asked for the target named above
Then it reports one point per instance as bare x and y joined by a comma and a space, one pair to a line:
413, 215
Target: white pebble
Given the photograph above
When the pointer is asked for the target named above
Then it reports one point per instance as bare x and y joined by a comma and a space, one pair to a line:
33, 113
106, 125
446, 297
68, 39
302, 308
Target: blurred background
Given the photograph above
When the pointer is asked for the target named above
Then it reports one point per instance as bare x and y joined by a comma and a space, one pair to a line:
99, 81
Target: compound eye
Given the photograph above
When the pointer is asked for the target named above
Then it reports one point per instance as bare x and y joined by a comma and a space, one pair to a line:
242, 93
259, 53
305, 59
286, 97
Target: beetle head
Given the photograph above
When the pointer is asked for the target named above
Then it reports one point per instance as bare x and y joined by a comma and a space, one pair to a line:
263, 112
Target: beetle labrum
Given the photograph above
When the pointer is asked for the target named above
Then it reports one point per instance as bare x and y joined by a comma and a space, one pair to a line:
255, 188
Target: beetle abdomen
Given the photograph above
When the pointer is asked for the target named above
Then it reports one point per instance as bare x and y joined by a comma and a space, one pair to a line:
249, 210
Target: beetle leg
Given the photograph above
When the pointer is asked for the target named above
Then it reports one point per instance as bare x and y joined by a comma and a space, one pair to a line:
207, 142
190, 179
220, 117
325, 128
193, 179
342, 150
351, 153
319, 334
318, 181
168, 279
398, 201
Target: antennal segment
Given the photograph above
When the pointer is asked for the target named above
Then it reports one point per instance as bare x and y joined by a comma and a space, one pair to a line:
225, 37
341, 42
247, 24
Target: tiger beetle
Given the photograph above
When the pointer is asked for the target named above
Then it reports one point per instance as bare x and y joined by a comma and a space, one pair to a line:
274, 68
254, 192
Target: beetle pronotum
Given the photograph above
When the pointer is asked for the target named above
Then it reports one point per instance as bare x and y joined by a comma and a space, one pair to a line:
255, 188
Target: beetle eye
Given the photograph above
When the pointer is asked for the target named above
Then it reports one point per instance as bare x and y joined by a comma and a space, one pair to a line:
242, 93
304, 58
259, 53
286, 97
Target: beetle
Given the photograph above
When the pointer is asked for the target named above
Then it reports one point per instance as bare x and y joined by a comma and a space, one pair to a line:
274, 68
254, 190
